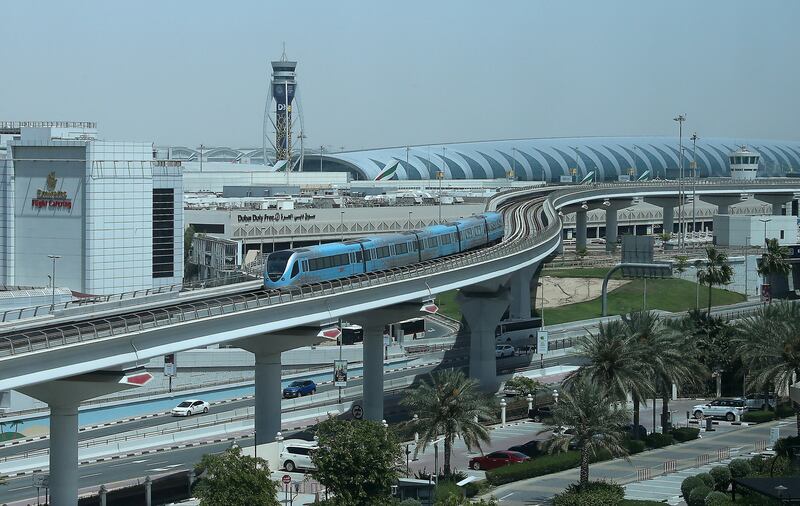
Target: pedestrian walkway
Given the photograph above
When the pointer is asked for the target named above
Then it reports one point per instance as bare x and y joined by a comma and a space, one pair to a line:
713, 447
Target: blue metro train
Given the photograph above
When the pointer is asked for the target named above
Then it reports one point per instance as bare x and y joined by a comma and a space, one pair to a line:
326, 262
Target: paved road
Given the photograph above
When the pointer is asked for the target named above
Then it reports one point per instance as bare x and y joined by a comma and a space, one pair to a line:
540, 490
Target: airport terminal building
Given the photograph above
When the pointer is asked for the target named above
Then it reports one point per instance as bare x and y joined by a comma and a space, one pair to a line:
107, 214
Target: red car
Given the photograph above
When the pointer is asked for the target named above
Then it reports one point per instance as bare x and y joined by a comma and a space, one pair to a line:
497, 459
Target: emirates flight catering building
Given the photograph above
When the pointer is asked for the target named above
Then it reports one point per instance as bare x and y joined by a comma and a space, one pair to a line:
106, 215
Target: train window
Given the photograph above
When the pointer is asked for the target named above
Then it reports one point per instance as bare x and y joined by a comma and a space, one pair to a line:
344, 259
431, 242
382, 252
305, 265
359, 256
295, 269
401, 249
413, 246
367, 255
445, 239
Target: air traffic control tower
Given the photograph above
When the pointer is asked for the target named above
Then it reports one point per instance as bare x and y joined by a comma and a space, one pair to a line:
283, 88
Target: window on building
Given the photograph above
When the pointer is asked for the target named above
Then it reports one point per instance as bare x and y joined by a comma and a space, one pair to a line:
208, 228
781, 234
163, 232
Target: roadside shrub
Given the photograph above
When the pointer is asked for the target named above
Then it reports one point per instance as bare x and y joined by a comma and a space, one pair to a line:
739, 468
596, 493
708, 480
446, 489
717, 498
634, 446
722, 477
697, 497
784, 410
474, 488
683, 434
758, 416
658, 440
689, 484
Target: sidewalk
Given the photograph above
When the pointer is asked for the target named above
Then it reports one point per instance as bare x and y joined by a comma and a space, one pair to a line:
711, 447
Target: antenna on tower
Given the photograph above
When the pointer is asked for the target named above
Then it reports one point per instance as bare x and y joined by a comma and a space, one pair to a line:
283, 56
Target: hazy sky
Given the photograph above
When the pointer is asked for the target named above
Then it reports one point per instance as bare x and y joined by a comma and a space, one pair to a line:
379, 73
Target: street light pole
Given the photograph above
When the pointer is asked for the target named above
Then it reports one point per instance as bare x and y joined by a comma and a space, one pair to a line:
765, 221
321, 152
53, 284
341, 223
693, 166
680, 119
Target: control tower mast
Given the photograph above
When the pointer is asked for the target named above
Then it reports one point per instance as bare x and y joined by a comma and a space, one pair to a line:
281, 119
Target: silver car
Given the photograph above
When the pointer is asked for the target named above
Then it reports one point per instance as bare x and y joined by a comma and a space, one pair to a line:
729, 409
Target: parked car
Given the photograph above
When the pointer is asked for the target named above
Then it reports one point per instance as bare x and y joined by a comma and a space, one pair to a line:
539, 413
760, 401
299, 388
296, 454
639, 432
190, 407
729, 409
503, 350
497, 459
531, 448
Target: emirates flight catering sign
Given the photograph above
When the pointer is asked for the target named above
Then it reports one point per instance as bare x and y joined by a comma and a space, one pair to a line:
49, 197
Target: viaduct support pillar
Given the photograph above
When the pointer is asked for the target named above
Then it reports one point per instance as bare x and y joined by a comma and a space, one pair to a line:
723, 202
667, 205
520, 306
267, 349
373, 376
63, 397
482, 312
580, 230
374, 323
64, 453
777, 201
268, 394
611, 229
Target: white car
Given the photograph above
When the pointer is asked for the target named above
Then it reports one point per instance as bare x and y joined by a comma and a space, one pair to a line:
296, 454
729, 409
190, 407
503, 350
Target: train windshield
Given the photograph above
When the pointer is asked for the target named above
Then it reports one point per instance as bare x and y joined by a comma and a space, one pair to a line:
276, 264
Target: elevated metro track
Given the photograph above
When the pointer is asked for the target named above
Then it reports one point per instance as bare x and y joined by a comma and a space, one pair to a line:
44, 349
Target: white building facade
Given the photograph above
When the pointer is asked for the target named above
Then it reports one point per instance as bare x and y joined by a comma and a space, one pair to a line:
109, 212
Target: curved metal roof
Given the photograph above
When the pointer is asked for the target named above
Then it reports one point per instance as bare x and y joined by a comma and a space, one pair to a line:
535, 159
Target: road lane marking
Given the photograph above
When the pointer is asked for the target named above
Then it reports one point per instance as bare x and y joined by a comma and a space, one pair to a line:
90, 475
20, 488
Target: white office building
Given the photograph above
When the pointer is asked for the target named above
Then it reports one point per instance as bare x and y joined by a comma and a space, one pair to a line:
107, 213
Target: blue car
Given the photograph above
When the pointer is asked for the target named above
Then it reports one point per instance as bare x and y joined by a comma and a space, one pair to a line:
299, 388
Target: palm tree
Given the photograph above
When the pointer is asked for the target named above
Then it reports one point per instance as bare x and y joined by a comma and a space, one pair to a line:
617, 363
774, 262
670, 355
768, 343
596, 422
715, 270
450, 404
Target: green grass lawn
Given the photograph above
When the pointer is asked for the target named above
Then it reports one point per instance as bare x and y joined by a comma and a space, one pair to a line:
669, 294
666, 294
7, 436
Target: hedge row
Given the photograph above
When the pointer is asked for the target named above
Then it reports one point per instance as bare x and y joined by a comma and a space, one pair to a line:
540, 466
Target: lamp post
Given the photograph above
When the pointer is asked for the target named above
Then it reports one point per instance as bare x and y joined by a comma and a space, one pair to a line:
555, 396
341, 223
53, 284
693, 166
321, 152
680, 119
765, 221
440, 176
409, 219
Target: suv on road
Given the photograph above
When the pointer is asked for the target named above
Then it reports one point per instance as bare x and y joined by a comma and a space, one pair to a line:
504, 350
760, 401
296, 454
729, 409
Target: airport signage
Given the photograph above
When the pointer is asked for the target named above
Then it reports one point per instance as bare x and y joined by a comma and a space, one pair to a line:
340, 373
170, 365
542, 342
273, 217
51, 198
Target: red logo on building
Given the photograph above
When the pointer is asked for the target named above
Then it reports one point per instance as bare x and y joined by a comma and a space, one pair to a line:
50, 198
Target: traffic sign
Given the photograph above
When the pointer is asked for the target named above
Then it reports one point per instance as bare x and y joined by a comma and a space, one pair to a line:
41, 480
137, 378
429, 307
286, 479
358, 411
330, 333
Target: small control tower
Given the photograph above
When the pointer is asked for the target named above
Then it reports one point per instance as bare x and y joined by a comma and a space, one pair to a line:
281, 119
744, 163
